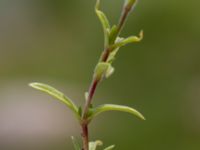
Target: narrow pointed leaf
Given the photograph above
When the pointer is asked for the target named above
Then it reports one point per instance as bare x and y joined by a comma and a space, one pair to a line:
102, 16
110, 147
56, 94
112, 107
104, 21
76, 144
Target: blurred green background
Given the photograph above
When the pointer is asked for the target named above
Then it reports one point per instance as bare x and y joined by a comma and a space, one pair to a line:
59, 42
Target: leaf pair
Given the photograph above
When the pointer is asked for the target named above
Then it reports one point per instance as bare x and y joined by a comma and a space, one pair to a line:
93, 112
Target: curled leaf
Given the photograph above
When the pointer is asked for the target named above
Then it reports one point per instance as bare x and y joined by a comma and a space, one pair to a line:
112, 107
56, 94
131, 39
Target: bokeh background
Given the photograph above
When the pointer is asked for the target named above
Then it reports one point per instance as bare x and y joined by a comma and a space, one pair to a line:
59, 42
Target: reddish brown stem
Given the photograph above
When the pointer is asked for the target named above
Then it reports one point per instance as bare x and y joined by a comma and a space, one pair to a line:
105, 55
91, 92
84, 124
123, 19
85, 136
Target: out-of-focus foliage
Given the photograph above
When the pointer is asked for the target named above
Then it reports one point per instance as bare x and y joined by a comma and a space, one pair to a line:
61, 40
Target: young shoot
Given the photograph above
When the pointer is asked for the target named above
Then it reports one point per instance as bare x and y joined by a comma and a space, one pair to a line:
104, 69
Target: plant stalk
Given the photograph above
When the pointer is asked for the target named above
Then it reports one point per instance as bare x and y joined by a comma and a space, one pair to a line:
104, 56
85, 137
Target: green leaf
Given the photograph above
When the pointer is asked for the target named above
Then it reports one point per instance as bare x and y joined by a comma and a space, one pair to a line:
102, 16
101, 70
80, 111
110, 147
56, 94
113, 34
104, 21
121, 42
112, 107
93, 145
131, 39
76, 144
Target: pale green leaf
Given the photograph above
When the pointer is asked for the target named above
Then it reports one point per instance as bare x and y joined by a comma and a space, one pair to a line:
76, 144
110, 147
104, 21
101, 69
93, 145
102, 16
112, 107
131, 39
56, 94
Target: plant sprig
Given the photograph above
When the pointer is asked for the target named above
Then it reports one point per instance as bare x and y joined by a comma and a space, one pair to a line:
104, 69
